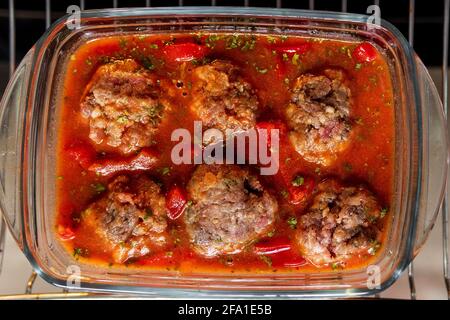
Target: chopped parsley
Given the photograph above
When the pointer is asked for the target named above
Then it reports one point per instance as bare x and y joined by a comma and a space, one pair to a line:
122, 119
165, 171
336, 266
147, 63
292, 222
284, 194
383, 212
233, 42
210, 42
298, 181
80, 252
249, 45
154, 112
122, 43
154, 46
295, 59
261, 70
358, 66
271, 39
98, 187
375, 246
270, 234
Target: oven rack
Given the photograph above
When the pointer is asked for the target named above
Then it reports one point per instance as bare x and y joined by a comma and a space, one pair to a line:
47, 16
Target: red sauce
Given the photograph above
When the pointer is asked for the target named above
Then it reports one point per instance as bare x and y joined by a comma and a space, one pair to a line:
369, 159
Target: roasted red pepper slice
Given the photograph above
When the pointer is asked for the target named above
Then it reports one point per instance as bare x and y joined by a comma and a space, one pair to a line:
83, 153
176, 201
65, 233
287, 259
273, 246
144, 160
300, 192
365, 52
185, 52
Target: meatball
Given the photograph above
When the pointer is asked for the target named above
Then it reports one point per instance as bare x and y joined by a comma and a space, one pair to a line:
124, 105
340, 223
318, 116
230, 209
221, 98
130, 218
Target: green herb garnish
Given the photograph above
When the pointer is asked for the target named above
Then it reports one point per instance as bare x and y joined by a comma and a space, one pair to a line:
122, 43
147, 63
298, 181
271, 39
80, 252
122, 119
292, 222
249, 45
375, 246
260, 70
165, 171
295, 59
98, 187
233, 42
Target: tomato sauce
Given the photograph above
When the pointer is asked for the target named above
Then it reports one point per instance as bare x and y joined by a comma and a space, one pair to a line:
270, 64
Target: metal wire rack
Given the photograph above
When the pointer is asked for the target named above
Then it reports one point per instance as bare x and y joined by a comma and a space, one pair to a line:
278, 4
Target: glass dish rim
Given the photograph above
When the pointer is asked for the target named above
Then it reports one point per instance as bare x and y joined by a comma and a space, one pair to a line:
257, 13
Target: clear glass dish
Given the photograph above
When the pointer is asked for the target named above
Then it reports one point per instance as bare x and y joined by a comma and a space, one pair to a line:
28, 133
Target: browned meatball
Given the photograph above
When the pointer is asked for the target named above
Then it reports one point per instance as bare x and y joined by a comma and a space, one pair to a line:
340, 223
221, 98
124, 106
318, 116
230, 209
130, 218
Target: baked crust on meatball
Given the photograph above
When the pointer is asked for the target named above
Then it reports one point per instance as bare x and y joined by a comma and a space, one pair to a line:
230, 209
124, 105
318, 116
221, 98
130, 218
340, 224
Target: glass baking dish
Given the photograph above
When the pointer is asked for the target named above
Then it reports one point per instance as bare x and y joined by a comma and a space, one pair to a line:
28, 133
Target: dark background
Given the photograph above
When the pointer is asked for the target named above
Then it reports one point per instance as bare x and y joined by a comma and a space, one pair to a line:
30, 20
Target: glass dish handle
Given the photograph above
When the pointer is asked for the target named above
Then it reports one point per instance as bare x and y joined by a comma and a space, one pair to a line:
435, 155
12, 109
